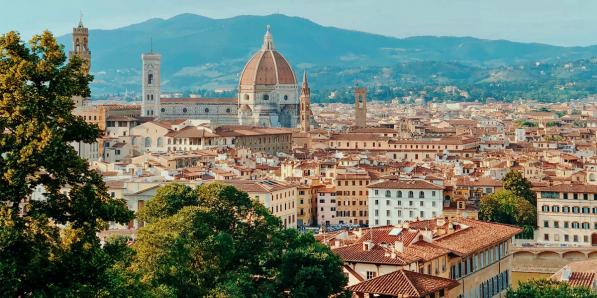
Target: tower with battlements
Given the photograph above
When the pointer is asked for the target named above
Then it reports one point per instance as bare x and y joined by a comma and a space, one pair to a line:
360, 106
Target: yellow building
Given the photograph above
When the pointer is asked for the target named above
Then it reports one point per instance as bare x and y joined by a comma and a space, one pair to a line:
352, 195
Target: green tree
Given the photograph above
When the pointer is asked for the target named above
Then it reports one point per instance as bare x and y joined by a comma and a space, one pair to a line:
37, 257
167, 202
228, 245
505, 207
544, 288
520, 186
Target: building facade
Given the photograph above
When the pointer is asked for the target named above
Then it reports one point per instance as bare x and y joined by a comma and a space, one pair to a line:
567, 214
393, 202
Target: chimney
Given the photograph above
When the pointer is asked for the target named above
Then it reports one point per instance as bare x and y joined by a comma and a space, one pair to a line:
399, 246
367, 245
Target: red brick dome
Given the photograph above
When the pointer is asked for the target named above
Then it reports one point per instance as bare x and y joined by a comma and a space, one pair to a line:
267, 67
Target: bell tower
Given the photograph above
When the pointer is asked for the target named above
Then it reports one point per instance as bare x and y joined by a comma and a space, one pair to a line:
305, 105
81, 45
80, 49
151, 84
360, 106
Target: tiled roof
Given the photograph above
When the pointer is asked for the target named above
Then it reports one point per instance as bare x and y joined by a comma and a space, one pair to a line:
376, 255
403, 283
582, 279
578, 188
475, 235
405, 184
191, 132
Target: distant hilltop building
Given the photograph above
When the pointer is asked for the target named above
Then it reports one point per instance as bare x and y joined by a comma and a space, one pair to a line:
267, 94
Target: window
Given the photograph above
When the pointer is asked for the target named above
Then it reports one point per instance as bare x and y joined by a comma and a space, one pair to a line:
228, 110
376, 202
370, 274
546, 224
410, 194
150, 79
265, 97
421, 203
285, 97
147, 142
421, 195
399, 194
184, 110
388, 194
206, 110
163, 110
160, 142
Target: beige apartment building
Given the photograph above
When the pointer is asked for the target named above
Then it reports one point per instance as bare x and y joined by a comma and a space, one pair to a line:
352, 196
567, 214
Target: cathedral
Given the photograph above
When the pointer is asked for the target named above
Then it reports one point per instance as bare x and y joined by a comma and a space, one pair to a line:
267, 94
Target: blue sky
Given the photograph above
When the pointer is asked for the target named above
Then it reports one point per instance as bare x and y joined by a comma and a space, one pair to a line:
560, 22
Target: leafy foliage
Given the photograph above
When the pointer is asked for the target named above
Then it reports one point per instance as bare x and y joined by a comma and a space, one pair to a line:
167, 202
544, 288
519, 186
37, 258
227, 245
505, 207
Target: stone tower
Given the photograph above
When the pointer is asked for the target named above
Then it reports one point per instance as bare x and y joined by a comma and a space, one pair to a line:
80, 49
360, 106
151, 84
81, 45
305, 105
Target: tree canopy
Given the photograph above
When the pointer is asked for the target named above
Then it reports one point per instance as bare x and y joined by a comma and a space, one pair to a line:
544, 288
227, 245
505, 207
519, 186
48, 245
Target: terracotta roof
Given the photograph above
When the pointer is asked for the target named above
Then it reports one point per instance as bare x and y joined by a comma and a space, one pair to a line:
475, 235
405, 184
570, 188
267, 67
582, 279
376, 255
404, 283
191, 132
241, 130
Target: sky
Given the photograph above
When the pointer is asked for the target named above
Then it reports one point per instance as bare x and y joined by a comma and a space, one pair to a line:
558, 22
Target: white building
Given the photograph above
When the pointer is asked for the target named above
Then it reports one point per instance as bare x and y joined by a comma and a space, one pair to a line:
151, 85
393, 201
520, 135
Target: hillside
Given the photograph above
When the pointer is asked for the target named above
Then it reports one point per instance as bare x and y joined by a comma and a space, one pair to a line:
203, 53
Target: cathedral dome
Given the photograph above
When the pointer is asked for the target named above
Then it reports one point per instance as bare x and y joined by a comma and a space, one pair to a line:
267, 67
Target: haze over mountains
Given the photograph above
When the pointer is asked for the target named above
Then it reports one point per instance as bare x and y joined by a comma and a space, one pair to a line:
204, 53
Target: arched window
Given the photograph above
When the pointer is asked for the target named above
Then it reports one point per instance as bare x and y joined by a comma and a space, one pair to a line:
400, 194
149, 79
411, 194
555, 208
565, 209
265, 97
163, 110
585, 225
184, 110
575, 225
228, 110
285, 97
206, 110
545, 208
151, 97
421, 194
388, 193
147, 142
160, 142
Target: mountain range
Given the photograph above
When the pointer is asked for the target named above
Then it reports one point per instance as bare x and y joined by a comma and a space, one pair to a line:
204, 53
